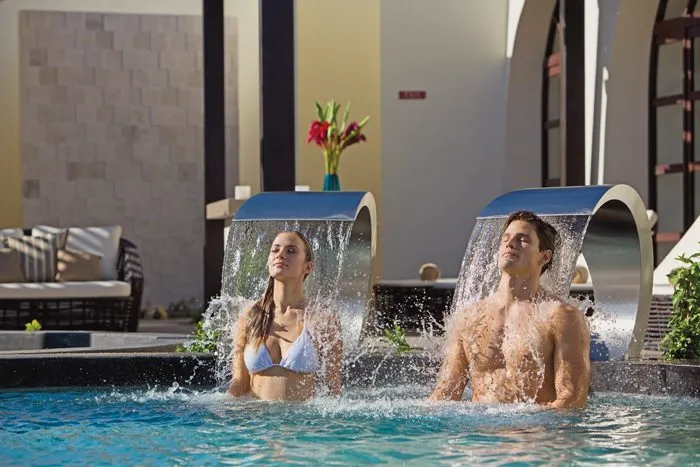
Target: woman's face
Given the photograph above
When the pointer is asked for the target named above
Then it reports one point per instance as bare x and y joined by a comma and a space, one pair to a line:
287, 259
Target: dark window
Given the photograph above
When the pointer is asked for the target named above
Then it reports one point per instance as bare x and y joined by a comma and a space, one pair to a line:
673, 164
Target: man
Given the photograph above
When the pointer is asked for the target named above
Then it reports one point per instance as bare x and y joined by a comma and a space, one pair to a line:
519, 345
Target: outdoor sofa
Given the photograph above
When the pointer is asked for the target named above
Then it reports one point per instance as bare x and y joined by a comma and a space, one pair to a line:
77, 278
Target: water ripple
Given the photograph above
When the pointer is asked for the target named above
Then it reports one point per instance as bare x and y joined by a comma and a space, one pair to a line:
177, 426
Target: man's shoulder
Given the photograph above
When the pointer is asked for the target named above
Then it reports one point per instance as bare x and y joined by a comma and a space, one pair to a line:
562, 308
563, 314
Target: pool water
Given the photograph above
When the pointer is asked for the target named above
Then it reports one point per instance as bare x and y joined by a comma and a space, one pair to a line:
390, 426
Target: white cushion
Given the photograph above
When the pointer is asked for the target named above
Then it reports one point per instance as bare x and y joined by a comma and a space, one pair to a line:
101, 241
11, 233
64, 290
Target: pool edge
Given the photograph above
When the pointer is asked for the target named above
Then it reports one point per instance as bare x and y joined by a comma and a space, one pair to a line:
374, 369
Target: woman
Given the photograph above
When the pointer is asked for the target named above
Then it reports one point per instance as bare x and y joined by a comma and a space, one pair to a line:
281, 351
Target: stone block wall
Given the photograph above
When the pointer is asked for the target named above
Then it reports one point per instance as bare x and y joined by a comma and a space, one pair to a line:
112, 133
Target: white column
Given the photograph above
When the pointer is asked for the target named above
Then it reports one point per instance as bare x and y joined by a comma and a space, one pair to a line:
592, 15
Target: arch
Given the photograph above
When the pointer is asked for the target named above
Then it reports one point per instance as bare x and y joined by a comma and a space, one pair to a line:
673, 162
627, 87
523, 156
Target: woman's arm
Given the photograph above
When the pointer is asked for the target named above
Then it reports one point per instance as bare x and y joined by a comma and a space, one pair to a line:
240, 380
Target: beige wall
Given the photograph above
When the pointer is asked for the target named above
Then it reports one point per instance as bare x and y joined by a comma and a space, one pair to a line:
246, 11
442, 157
625, 157
163, 287
523, 146
340, 59
112, 130
625, 153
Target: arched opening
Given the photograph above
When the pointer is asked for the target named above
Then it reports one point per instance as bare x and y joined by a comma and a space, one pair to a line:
673, 162
552, 114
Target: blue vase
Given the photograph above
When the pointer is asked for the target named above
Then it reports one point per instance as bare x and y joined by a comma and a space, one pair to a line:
331, 182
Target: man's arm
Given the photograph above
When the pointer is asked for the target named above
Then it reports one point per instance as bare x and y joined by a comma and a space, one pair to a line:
452, 379
240, 381
572, 365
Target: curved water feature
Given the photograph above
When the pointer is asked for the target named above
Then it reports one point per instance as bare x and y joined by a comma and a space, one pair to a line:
342, 230
609, 226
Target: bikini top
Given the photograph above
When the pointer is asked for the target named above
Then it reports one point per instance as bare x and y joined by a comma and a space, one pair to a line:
301, 357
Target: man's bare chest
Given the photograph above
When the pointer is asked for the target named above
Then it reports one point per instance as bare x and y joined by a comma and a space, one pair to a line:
501, 342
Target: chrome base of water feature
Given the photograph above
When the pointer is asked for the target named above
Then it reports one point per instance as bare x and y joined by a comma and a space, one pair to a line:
617, 247
357, 208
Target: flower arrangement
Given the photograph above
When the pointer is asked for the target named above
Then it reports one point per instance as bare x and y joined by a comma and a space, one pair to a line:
333, 138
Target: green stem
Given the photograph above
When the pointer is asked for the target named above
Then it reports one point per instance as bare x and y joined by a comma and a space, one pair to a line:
327, 161
332, 162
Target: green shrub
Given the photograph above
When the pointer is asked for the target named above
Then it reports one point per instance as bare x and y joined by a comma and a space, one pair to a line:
682, 342
203, 341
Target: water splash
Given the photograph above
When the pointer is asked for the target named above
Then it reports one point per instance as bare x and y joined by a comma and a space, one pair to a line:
479, 273
245, 276
479, 277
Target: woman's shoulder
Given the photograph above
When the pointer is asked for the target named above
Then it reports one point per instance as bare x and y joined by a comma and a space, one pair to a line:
247, 313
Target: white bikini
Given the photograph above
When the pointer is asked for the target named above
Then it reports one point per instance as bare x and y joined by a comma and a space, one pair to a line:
302, 356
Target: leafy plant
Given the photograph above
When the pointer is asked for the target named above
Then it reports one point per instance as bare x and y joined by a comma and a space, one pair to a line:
203, 341
333, 136
33, 326
397, 338
683, 339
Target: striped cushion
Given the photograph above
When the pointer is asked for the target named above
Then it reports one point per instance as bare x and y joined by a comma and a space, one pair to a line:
37, 255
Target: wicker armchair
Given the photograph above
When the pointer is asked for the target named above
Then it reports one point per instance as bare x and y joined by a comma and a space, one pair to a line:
129, 268
120, 313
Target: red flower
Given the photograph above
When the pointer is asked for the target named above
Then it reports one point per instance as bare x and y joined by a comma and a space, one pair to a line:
352, 135
318, 133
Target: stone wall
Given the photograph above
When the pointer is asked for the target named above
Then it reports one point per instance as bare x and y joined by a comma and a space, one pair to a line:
112, 133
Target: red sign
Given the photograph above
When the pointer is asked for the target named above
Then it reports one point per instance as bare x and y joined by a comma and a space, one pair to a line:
412, 94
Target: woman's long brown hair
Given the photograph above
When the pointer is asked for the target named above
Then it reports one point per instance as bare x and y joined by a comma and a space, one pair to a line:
263, 311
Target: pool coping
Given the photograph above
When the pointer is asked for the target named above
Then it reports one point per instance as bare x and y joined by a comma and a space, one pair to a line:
23, 371
50, 342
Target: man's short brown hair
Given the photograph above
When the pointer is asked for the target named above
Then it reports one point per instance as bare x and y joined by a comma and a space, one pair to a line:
546, 233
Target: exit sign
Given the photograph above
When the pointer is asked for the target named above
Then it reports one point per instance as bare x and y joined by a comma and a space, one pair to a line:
412, 95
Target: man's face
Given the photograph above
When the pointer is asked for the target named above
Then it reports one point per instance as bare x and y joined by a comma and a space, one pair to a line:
519, 252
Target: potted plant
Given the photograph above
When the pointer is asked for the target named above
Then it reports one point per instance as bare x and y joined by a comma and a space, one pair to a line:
682, 342
333, 138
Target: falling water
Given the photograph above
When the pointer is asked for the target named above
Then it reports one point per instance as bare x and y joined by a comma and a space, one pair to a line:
245, 277
479, 273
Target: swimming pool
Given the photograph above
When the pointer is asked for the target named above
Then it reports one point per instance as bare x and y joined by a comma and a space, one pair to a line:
394, 426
